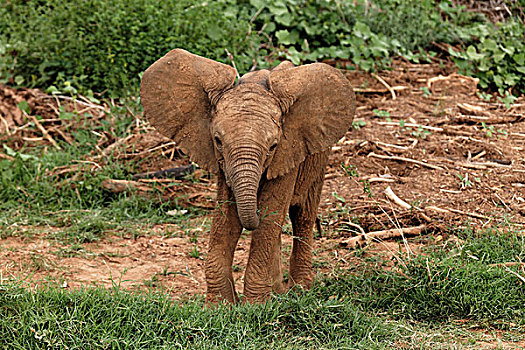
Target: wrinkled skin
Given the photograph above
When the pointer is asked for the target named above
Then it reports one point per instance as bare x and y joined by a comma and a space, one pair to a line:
267, 138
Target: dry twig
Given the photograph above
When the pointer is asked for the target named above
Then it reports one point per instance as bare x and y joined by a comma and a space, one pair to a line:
43, 130
403, 159
385, 84
363, 239
394, 198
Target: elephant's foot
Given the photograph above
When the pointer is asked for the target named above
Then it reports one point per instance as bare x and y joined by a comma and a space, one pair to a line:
301, 277
220, 283
225, 293
259, 291
257, 294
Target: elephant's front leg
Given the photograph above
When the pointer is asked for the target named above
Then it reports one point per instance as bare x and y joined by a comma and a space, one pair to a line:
263, 272
225, 231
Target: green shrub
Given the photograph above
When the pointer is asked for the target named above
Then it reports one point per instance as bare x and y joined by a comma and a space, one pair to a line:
367, 33
498, 58
105, 45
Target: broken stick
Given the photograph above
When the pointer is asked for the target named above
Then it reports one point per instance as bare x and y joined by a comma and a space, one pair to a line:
403, 159
363, 239
172, 173
43, 130
394, 198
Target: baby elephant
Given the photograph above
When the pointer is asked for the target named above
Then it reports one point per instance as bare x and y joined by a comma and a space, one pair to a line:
267, 137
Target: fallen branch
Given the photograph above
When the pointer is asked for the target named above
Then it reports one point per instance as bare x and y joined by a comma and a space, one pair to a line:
43, 130
473, 165
515, 274
150, 150
361, 240
379, 91
394, 198
118, 186
380, 179
115, 144
172, 173
454, 75
412, 125
89, 104
403, 159
487, 119
385, 84
450, 210
510, 263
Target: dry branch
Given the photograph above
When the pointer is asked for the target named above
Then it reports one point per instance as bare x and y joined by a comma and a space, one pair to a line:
363, 239
403, 159
394, 198
5, 156
379, 91
118, 186
173, 173
43, 130
450, 210
487, 119
385, 84
454, 75
412, 125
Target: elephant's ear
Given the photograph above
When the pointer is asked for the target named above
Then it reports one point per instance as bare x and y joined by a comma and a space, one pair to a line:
177, 93
318, 104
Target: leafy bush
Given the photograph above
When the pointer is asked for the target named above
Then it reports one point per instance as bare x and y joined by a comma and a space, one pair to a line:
498, 58
361, 31
105, 45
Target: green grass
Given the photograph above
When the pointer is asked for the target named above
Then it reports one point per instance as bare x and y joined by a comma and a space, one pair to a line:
433, 300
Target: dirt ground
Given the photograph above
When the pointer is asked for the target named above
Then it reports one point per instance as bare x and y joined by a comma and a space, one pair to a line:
448, 156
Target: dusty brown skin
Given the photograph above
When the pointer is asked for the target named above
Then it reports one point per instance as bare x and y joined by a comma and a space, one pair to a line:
267, 138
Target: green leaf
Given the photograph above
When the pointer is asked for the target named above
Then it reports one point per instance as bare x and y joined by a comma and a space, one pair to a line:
294, 55
490, 45
287, 38
24, 106
11, 152
52, 90
259, 4
519, 59
19, 80
362, 30
498, 57
472, 53
214, 32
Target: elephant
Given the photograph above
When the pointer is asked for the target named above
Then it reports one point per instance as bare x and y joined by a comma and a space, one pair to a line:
267, 137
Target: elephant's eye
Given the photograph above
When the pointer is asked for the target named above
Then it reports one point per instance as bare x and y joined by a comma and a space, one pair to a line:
218, 141
272, 147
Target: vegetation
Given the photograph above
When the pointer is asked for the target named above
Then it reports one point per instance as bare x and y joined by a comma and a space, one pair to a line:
429, 300
370, 308
32, 192
57, 42
66, 43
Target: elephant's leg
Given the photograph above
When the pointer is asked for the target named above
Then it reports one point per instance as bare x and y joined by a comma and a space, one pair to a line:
303, 212
263, 272
225, 231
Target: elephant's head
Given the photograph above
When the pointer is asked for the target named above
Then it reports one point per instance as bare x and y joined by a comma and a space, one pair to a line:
266, 124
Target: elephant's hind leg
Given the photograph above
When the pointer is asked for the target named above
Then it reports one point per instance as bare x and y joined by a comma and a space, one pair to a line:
303, 213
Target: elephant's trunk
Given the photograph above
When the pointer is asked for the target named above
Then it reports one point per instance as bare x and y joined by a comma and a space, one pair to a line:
245, 174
